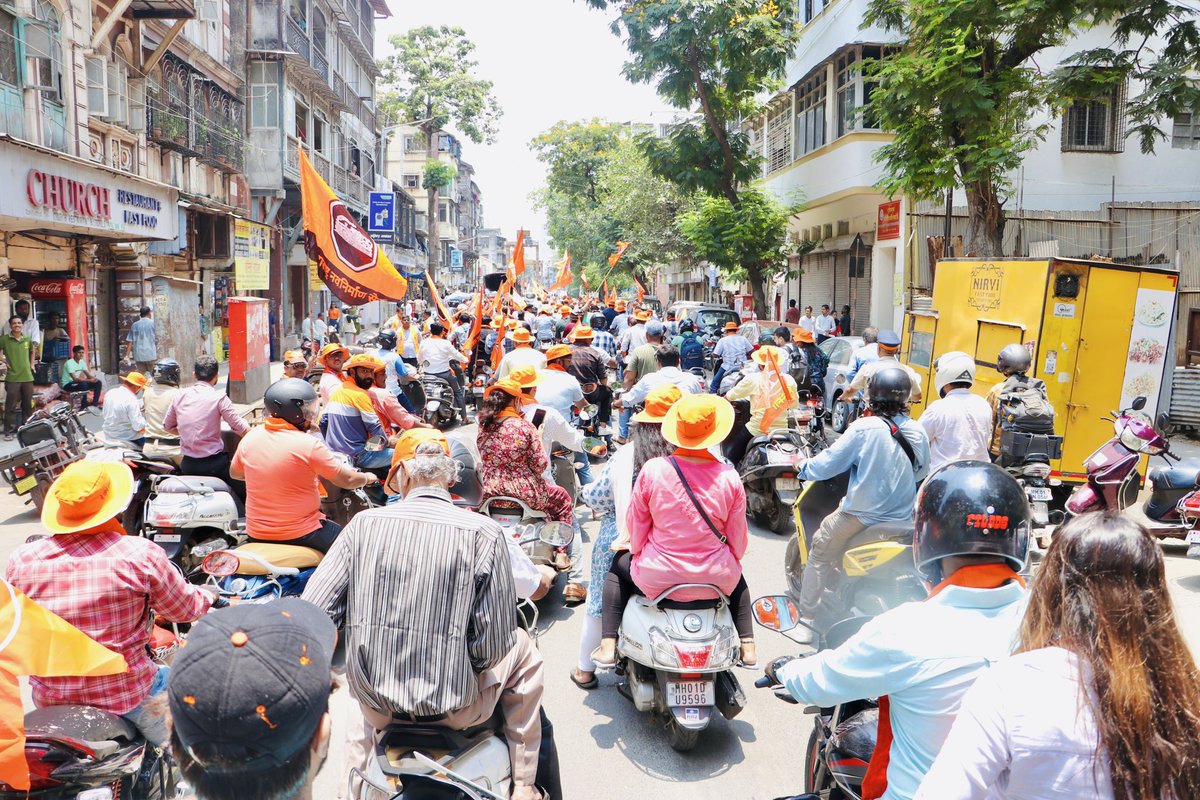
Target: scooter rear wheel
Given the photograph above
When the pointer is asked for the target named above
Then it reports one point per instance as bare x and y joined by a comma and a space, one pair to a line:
778, 519
680, 738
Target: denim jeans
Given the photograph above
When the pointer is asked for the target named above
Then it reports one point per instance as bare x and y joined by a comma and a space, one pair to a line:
718, 376
150, 717
380, 459
623, 425
584, 470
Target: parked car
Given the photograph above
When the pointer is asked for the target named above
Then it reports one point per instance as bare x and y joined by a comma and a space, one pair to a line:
762, 331
709, 319
839, 350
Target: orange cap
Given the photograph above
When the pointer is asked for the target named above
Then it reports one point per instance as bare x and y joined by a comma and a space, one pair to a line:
87, 494
581, 332
293, 357
803, 336
620, 305
407, 444
527, 376
522, 335
643, 315
511, 387
731, 326
558, 351
564, 309
658, 403
136, 379
761, 355
363, 360
698, 421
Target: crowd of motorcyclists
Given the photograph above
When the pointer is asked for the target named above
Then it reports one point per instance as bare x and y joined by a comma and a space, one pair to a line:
1101, 698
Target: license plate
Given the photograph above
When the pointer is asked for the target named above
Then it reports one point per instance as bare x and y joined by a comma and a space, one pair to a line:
787, 484
26, 484
1039, 493
168, 538
690, 693
1193, 537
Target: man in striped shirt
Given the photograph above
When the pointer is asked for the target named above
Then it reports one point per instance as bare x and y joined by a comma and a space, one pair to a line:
424, 593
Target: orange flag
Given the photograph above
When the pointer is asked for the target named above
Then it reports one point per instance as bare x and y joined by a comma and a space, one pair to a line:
505, 286
517, 265
583, 279
564, 278
348, 260
615, 257
34, 641
476, 321
774, 396
498, 347
437, 300
641, 290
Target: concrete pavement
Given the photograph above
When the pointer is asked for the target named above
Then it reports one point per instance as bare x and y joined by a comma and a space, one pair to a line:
607, 749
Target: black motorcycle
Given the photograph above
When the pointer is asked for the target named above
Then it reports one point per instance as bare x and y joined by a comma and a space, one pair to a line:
843, 739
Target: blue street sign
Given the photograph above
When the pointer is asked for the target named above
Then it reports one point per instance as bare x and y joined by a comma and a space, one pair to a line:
456, 260
382, 216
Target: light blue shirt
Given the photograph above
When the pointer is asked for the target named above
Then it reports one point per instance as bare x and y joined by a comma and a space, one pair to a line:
882, 486
924, 656
733, 351
686, 381
141, 334
862, 356
394, 368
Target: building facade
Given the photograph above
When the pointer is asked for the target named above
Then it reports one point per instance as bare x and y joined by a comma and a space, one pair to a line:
1072, 197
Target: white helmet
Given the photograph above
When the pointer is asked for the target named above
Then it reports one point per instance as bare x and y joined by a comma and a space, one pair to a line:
953, 367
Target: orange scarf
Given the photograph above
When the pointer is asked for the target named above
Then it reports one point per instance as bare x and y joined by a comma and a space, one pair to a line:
979, 576
277, 424
509, 413
112, 526
687, 452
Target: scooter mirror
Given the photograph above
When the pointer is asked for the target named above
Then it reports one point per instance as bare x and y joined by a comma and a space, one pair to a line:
1139, 403
557, 534
221, 564
588, 412
777, 612
1163, 421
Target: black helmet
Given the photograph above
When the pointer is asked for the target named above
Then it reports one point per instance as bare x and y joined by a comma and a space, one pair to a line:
599, 322
1013, 358
970, 508
290, 400
387, 339
889, 385
687, 326
166, 372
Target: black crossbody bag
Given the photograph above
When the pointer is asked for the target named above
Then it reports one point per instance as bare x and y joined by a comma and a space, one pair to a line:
696, 503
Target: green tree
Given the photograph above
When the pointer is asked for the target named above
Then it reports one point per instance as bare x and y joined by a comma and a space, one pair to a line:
717, 56
429, 80
600, 190
733, 239
962, 92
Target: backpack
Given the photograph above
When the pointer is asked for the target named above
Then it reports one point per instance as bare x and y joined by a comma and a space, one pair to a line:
691, 352
1024, 406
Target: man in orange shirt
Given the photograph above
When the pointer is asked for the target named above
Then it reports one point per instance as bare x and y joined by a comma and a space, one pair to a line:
281, 463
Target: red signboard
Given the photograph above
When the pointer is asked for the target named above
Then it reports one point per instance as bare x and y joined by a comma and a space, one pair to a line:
888, 224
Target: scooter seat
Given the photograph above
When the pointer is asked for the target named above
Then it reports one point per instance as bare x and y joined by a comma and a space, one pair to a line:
185, 484
83, 723
278, 555
1183, 476
901, 532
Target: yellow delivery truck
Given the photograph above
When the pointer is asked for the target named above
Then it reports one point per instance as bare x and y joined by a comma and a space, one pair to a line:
1100, 334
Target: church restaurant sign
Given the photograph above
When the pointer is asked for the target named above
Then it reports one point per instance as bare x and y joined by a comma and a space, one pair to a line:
68, 196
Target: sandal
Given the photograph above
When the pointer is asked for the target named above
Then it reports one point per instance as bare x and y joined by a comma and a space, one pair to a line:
592, 684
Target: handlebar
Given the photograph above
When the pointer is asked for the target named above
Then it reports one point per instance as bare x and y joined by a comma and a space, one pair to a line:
764, 682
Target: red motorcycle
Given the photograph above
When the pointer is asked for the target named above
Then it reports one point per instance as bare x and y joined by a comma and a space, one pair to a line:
1113, 480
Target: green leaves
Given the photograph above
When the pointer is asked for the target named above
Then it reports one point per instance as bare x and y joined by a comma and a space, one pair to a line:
746, 240
430, 79
438, 174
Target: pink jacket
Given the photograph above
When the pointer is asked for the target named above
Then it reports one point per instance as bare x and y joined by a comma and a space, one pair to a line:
671, 543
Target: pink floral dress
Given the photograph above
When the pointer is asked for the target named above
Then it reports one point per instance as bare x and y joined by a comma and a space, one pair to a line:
513, 465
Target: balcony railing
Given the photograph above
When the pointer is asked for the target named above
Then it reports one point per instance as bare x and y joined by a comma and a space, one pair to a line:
320, 64
297, 38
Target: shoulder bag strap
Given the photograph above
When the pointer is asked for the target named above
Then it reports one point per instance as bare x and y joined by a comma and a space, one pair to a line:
692, 495
902, 440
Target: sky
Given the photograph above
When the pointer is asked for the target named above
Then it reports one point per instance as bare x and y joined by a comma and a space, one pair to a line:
550, 60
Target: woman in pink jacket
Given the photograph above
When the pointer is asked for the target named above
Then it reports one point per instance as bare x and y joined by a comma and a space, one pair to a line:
671, 539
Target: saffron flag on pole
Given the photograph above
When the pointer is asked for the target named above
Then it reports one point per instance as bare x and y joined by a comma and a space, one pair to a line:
517, 265
641, 290
564, 278
34, 641
505, 285
476, 321
437, 300
498, 347
615, 257
773, 396
583, 279
348, 260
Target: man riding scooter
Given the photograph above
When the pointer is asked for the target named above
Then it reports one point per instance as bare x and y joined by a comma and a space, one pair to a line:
156, 401
971, 537
887, 455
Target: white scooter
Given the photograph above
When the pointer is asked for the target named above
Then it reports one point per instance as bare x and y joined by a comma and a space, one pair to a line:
546, 543
677, 659
190, 516
424, 761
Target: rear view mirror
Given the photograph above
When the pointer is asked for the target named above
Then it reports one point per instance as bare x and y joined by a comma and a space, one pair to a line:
221, 564
1139, 403
776, 612
557, 534
1163, 422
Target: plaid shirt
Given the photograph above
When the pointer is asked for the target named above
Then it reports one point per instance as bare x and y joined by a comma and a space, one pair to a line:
603, 340
104, 584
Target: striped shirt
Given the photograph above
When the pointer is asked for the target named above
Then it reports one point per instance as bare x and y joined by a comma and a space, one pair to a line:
605, 341
424, 593
349, 420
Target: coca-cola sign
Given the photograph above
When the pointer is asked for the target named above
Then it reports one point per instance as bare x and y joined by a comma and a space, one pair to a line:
355, 248
47, 288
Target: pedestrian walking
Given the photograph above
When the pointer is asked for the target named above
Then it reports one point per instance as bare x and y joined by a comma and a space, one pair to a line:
18, 352
140, 344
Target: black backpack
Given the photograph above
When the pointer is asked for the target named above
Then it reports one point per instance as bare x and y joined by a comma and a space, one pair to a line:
1024, 406
691, 352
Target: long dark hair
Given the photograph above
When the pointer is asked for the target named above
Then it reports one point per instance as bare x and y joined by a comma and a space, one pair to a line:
1101, 593
493, 403
648, 443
